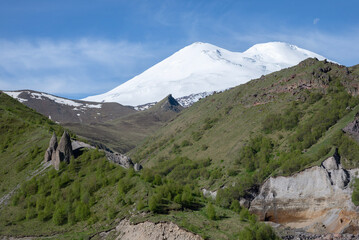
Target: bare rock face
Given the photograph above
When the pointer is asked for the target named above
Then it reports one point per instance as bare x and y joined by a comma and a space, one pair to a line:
63, 151
119, 158
171, 104
317, 199
353, 128
50, 151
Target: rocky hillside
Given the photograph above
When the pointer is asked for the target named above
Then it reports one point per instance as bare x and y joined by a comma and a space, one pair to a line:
103, 124
63, 110
124, 133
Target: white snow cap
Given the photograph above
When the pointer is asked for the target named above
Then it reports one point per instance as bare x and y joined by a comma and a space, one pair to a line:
203, 67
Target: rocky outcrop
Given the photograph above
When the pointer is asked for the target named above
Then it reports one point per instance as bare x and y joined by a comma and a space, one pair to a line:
171, 104
119, 158
57, 153
50, 151
114, 157
148, 231
137, 167
353, 128
64, 151
317, 199
209, 193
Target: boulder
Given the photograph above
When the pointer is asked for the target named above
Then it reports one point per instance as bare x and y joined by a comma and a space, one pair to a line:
137, 167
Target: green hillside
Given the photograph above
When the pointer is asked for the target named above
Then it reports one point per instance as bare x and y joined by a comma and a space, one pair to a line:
230, 142
277, 124
24, 138
91, 195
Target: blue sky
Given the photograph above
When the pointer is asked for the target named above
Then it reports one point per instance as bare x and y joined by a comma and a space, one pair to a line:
78, 48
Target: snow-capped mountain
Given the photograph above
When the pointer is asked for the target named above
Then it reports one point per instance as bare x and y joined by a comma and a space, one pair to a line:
203, 67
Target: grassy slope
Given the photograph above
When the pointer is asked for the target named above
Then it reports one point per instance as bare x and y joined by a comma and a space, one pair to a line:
31, 211
24, 138
226, 121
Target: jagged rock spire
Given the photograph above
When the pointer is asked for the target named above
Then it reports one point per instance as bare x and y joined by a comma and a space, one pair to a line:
64, 151
50, 152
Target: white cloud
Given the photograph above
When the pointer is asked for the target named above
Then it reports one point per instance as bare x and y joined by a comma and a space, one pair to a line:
71, 67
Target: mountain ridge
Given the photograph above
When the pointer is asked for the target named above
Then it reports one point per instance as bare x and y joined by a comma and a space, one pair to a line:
203, 67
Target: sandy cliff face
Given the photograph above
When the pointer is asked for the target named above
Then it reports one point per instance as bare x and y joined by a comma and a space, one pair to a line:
317, 199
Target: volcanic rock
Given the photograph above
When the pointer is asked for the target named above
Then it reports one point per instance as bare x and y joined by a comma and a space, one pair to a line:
64, 151
50, 151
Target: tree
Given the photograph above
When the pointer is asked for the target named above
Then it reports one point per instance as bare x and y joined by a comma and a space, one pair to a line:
82, 211
153, 203
235, 206
60, 216
211, 212
246, 234
157, 180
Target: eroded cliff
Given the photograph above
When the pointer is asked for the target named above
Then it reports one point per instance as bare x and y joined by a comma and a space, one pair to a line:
317, 199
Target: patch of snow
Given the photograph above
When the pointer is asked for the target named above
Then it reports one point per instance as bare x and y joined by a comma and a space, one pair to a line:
78, 114
144, 106
93, 105
188, 101
55, 99
16, 96
203, 67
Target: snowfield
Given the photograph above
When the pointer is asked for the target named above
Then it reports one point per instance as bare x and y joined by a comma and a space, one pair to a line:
202, 67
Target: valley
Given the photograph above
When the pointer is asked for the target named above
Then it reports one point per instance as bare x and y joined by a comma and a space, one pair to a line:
278, 155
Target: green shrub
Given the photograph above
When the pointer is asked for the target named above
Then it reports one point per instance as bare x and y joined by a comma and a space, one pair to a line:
223, 198
153, 203
176, 149
140, 205
82, 211
111, 213
211, 212
197, 135
60, 216
124, 185
209, 123
157, 180
235, 206
31, 213
185, 143
257, 231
